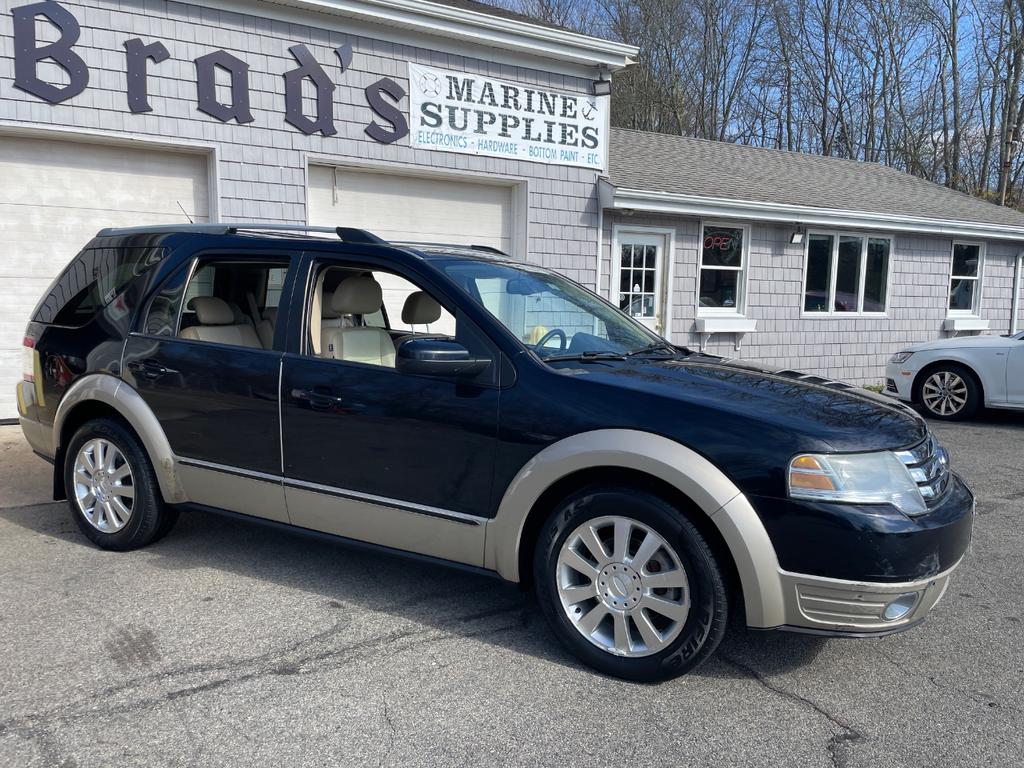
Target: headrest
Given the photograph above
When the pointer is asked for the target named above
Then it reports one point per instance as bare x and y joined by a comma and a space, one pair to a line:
357, 296
211, 311
420, 309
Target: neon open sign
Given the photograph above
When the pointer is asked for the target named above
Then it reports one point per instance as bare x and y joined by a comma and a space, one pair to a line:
719, 242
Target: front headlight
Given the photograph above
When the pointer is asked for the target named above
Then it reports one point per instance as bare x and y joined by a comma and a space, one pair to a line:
856, 478
900, 357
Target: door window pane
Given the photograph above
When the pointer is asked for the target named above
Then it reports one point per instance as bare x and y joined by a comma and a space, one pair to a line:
819, 273
637, 279
848, 274
876, 275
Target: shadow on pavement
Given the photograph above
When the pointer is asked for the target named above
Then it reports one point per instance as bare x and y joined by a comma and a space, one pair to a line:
445, 599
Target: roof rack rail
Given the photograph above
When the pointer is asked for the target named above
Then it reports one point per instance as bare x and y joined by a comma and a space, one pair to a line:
488, 249
460, 246
346, 234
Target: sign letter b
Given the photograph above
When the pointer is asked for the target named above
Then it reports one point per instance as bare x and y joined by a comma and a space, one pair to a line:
28, 53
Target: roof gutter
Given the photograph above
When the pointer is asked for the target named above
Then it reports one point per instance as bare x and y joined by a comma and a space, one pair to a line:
476, 27
619, 198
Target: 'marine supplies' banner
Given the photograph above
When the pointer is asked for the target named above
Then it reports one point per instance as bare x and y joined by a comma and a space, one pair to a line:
458, 112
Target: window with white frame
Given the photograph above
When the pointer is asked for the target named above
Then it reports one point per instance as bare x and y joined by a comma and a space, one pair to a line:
846, 273
965, 278
723, 264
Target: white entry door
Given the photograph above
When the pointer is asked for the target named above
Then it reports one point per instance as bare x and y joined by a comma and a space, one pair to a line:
642, 277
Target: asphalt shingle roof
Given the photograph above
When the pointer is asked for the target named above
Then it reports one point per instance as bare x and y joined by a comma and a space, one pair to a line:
681, 165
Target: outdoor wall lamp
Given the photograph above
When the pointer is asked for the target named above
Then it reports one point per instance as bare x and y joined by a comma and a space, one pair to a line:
797, 238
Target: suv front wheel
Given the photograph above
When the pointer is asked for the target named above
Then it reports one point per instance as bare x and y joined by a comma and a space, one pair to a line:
112, 489
629, 584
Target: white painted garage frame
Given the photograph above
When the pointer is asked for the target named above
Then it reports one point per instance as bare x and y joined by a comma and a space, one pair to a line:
66, 175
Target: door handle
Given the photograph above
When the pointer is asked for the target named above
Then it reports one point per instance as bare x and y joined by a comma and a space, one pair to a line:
149, 369
316, 399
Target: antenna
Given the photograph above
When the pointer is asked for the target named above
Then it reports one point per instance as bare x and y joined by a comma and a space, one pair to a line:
185, 212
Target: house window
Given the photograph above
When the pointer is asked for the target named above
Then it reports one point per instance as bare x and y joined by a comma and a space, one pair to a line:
846, 274
965, 279
722, 266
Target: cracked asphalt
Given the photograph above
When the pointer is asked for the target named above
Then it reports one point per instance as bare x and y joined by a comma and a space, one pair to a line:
228, 644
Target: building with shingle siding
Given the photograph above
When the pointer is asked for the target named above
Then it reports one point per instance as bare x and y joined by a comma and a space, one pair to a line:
453, 121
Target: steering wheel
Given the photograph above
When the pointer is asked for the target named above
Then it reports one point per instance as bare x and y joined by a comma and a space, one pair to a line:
563, 341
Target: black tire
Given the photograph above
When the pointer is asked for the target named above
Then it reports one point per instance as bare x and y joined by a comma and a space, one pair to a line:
150, 518
705, 624
971, 388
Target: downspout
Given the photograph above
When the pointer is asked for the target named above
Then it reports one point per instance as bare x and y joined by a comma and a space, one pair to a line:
1015, 302
600, 247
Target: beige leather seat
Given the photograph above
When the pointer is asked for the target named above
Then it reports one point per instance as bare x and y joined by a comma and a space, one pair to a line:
359, 344
217, 324
265, 327
420, 309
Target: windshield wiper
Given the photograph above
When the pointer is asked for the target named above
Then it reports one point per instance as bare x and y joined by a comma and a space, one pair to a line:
585, 357
658, 346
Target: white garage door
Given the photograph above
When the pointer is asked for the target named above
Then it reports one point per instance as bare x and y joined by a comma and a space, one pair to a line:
412, 208
55, 195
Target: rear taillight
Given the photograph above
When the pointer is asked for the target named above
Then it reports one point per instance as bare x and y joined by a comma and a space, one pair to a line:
28, 359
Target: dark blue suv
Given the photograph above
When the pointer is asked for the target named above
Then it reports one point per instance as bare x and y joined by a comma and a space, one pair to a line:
452, 403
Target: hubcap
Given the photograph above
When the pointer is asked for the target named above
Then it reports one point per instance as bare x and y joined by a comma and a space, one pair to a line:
944, 393
104, 485
622, 586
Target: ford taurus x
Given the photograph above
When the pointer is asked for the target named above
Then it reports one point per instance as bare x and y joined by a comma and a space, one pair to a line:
457, 404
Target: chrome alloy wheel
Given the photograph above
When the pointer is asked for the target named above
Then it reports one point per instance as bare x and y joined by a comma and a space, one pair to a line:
622, 586
104, 486
945, 393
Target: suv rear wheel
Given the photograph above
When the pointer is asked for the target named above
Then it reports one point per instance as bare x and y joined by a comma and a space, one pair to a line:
629, 584
112, 489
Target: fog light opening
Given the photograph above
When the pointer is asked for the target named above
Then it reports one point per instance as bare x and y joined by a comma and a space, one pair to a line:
900, 608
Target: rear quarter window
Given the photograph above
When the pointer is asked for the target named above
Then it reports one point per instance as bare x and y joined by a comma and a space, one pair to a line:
93, 280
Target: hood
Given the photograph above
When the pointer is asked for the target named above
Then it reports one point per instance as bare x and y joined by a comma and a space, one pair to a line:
963, 342
812, 412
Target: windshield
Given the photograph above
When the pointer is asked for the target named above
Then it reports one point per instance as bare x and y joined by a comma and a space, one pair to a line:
550, 314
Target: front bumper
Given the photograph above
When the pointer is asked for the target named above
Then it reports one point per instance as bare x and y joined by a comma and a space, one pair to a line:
899, 381
840, 566
818, 605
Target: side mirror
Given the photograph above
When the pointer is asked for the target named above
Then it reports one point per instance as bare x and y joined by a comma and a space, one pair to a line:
438, 357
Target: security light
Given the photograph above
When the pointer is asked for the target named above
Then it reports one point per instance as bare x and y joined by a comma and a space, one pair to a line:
602, 87
797, 237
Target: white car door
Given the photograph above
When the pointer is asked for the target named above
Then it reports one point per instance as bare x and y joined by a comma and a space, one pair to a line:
1015, 372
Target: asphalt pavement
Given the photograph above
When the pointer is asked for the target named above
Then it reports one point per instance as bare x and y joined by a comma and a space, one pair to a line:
230, 644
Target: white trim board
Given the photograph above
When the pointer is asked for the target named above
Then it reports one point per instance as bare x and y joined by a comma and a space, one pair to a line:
510, 39
697, 206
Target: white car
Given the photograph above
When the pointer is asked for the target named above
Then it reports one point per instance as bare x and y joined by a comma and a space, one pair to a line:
952, 378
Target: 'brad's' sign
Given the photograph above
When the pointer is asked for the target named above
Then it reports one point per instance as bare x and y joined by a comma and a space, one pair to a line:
382, 96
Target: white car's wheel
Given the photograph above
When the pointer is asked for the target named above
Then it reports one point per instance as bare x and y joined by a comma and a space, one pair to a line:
949, 391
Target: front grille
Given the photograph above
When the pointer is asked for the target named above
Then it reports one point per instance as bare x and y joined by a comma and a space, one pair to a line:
928, 464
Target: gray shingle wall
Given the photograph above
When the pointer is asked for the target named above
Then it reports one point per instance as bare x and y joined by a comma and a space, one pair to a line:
262, 164
850, 348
